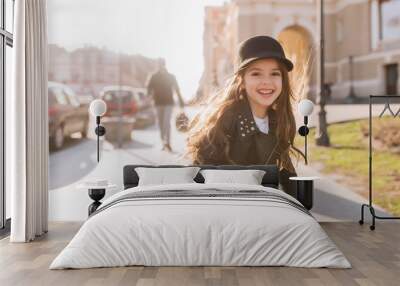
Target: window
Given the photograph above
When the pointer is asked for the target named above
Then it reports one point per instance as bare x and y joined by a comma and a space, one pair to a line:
9, 19
391, 78
389, 19
6, 43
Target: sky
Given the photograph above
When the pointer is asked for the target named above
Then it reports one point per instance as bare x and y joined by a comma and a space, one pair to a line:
172, 29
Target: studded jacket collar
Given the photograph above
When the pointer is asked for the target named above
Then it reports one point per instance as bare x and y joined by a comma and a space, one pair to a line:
245, 123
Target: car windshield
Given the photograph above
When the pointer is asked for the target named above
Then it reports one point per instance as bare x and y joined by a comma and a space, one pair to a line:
71, 96
59, 95
114, 95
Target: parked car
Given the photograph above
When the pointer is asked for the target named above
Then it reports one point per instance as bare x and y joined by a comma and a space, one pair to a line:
120, 100
145, 115
144, 101
66, 114
129, 101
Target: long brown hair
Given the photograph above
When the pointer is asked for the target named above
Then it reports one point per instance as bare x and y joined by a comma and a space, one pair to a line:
203, 136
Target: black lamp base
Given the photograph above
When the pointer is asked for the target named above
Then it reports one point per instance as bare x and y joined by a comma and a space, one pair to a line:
100, 130
305, 193
303, 130
96, 195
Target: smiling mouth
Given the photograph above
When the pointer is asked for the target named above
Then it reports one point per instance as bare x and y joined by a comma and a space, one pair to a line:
266, 92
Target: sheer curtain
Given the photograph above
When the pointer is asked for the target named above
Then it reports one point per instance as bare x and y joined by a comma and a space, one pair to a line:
27, 130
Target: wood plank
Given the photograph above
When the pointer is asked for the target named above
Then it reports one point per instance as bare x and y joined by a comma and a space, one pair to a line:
375, 257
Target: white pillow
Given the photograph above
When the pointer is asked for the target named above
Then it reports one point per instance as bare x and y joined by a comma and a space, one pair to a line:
162, 176
248, 177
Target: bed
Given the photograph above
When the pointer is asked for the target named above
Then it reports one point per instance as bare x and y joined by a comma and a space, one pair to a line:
201, 224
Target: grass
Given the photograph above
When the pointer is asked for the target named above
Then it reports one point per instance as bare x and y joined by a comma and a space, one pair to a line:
348, 157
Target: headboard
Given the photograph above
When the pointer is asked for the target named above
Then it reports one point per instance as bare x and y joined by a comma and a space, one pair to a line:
270, 179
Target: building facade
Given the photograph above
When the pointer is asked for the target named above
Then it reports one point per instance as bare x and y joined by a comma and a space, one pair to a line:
89, 69
362, 43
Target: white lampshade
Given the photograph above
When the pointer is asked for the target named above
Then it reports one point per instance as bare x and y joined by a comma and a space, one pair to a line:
98, 107
305, 107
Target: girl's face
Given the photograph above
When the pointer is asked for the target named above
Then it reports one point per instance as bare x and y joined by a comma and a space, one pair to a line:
263, 84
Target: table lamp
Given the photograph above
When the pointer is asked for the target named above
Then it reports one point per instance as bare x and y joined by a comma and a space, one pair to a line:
98, 108
305, 108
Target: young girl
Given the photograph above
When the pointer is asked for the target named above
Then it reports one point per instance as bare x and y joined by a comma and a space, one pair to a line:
251, 122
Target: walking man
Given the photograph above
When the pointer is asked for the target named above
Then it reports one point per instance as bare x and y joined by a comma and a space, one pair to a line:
161, 86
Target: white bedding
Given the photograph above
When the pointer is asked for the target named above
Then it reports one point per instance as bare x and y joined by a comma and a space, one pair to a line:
200, 231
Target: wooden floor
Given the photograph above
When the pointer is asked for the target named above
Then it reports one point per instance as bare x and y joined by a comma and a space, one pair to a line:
375, 257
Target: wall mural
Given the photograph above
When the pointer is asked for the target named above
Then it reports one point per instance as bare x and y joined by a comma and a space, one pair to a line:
179, 88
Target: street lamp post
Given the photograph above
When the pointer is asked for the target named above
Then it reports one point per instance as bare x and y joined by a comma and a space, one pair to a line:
322, 132
351, 98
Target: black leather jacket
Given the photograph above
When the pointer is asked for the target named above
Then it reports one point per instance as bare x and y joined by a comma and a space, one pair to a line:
237, 140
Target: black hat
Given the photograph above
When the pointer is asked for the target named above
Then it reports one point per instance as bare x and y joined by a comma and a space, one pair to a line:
262, 47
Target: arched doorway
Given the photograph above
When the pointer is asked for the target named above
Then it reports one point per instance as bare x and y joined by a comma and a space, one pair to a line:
299, 48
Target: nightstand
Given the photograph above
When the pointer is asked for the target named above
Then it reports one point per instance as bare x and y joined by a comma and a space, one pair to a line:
305, 189
96, 193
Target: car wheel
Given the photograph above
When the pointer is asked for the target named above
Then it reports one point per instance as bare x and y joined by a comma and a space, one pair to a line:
58, 139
